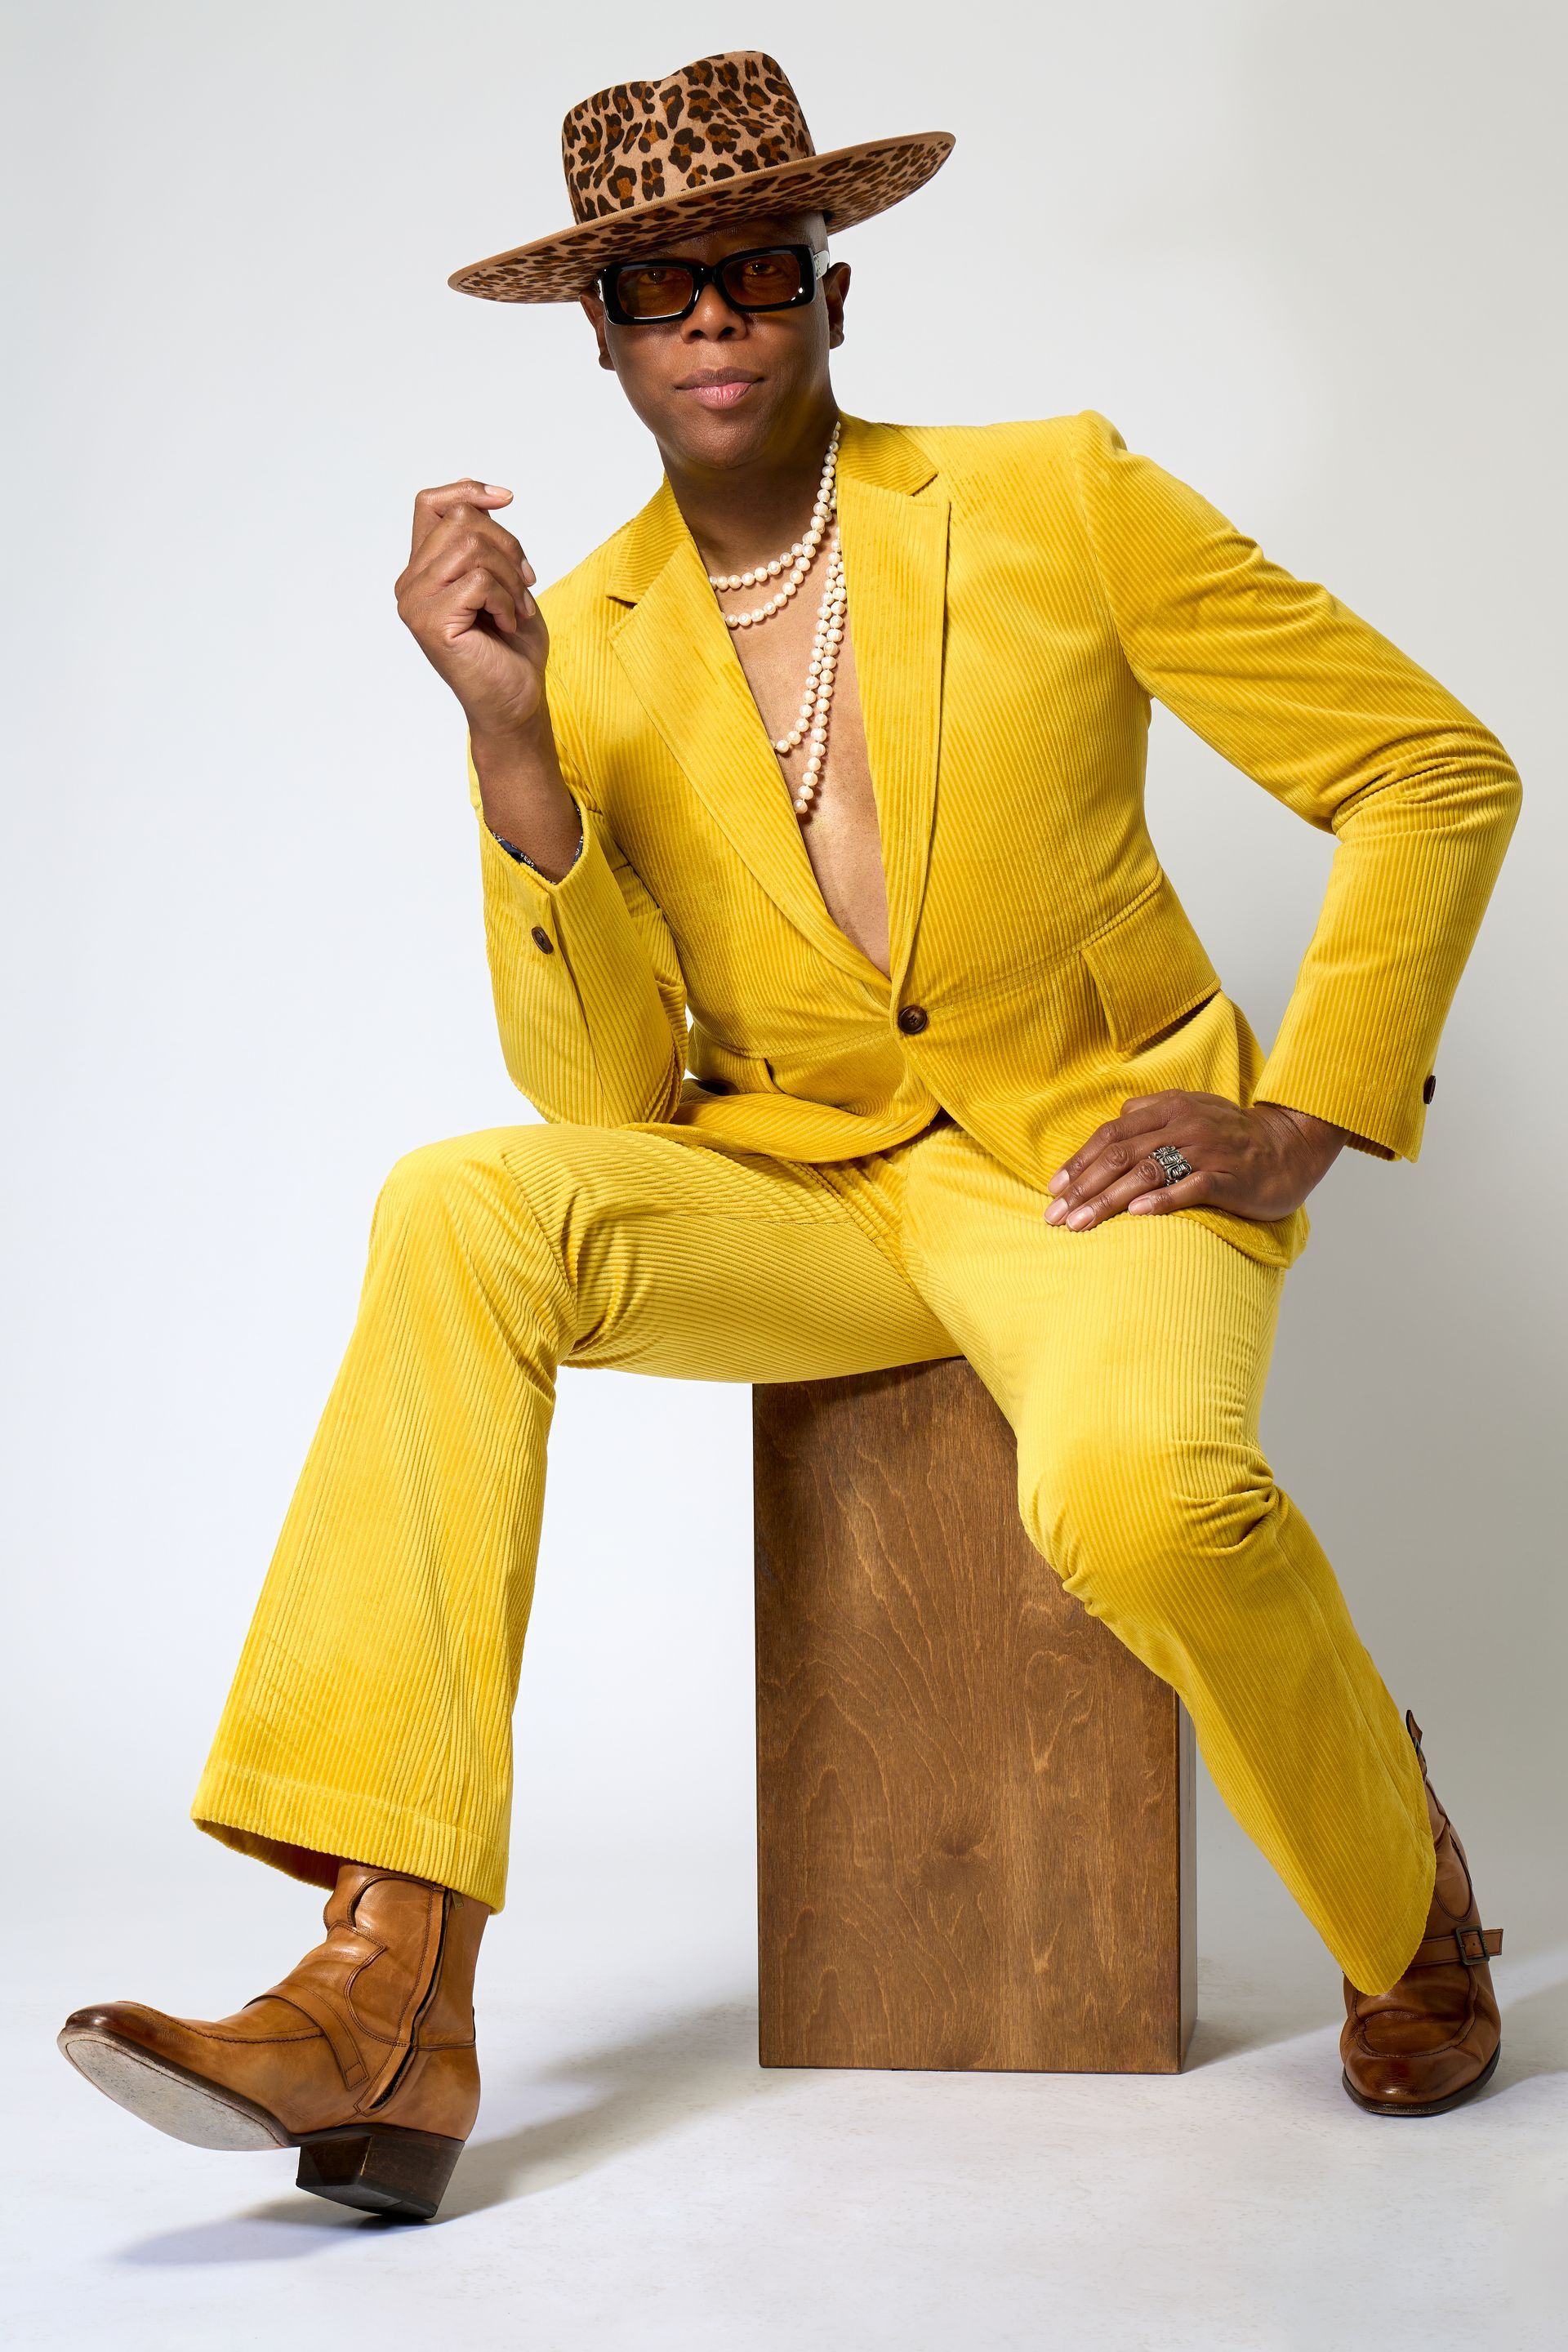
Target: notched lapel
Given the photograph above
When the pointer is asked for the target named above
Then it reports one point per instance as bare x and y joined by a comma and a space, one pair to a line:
676, 652
893, 522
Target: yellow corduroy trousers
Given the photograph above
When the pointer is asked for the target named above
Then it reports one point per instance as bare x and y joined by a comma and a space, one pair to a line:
371, 1712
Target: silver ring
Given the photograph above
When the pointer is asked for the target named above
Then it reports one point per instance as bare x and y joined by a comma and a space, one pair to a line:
1171, 1162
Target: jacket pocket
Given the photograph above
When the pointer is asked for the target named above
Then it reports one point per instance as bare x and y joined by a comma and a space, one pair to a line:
1149, 967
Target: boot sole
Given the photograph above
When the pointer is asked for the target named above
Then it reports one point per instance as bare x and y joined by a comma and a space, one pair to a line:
375, 2168
168, 2097
1430, 2106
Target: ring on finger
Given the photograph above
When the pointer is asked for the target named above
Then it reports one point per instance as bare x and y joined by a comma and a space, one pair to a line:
1172, 1163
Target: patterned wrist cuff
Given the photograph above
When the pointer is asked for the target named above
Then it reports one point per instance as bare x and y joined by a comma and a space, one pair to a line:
523, 859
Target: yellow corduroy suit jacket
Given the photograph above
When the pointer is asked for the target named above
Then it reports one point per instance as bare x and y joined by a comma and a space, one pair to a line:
1017, 594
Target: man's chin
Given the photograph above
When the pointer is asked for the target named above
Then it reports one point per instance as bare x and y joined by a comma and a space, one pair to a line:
724, 438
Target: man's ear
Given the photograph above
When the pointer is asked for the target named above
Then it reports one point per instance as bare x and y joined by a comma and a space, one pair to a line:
593, 312
835, 287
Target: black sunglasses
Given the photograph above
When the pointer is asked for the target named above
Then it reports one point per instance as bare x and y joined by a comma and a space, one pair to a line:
657, 292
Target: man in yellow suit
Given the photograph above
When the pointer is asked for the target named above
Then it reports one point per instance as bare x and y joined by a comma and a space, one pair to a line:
827, 936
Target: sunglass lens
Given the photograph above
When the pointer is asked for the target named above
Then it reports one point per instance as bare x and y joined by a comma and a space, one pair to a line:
653, 289
762, 281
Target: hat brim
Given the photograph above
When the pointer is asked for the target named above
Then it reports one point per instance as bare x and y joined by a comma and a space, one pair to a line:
848, 186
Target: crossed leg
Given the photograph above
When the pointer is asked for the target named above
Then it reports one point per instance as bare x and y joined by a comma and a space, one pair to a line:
370, 1712
367, 1735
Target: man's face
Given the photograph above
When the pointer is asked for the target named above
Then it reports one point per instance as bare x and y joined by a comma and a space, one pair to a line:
722, 387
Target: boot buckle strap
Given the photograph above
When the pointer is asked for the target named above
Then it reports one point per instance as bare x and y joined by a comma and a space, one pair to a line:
1472, 1945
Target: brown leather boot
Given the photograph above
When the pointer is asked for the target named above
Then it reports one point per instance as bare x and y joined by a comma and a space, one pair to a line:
363, 2057
1431, 2040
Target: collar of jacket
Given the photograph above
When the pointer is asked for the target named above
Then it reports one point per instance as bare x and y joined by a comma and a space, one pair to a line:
670, 639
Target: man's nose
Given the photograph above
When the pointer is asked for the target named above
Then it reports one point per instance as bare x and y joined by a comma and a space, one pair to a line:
712, 318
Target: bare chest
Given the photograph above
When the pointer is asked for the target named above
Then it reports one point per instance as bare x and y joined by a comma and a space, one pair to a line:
839, 830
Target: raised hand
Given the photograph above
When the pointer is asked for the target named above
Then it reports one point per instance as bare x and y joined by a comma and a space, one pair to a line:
464, 594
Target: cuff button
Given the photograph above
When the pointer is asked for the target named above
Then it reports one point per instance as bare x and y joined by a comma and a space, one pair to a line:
541, 940
1428, 1088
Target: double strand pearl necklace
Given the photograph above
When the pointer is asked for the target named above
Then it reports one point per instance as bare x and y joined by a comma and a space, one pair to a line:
810, 726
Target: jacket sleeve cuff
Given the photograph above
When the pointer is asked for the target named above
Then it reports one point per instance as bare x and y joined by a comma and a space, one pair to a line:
527, 888
523, 859
1385, 1121
515, 855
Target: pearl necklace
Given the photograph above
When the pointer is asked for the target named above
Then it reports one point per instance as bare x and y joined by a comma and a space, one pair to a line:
810, 726
798, 558
811, 719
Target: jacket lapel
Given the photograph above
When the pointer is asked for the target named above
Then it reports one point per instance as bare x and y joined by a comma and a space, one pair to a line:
678, 656
895, 569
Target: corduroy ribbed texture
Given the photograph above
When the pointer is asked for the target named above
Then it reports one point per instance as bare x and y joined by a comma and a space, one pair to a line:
1016, 595
371, 1713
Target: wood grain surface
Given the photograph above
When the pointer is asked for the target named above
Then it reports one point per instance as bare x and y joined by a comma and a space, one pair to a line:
974, 1805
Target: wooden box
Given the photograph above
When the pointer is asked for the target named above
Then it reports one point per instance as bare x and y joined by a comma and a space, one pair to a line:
974, 1805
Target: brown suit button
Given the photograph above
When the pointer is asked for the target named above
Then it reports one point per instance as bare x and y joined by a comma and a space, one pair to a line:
912, 1019
541, 940
1428, 1088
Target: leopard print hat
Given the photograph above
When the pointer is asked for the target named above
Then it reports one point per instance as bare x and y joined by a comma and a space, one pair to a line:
721, 139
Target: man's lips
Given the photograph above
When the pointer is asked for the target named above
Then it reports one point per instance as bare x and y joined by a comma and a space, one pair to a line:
721, 389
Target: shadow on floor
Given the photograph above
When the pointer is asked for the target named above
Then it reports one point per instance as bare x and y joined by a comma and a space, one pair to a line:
627, 2093
615, 2097
631, 2092
1238, 2014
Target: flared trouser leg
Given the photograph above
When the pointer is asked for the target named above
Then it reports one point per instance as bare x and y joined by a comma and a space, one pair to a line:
1130, 1361
370, 1712
370, 1716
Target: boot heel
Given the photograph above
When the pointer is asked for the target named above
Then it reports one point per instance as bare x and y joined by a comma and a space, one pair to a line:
379, 2168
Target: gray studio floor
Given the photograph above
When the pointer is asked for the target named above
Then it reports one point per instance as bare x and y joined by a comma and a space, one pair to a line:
637, 2183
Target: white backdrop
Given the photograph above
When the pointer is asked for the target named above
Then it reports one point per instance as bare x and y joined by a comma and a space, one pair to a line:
1303, 259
